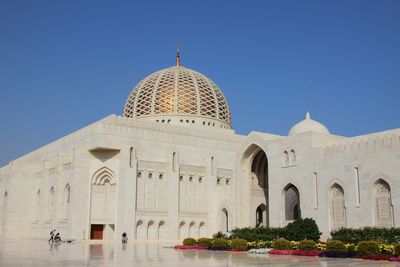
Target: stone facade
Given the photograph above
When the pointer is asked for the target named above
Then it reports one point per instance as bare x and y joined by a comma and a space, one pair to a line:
155, 180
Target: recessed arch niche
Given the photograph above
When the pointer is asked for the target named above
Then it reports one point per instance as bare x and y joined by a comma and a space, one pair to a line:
256, 182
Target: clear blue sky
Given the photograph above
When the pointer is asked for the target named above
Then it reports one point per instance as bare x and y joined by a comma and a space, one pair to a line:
66, 64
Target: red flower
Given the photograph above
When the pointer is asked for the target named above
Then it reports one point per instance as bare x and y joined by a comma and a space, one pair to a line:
295, 252
190, 247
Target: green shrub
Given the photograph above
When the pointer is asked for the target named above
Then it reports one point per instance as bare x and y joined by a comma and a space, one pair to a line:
302, 229
220, 243
307, 245
189, 242
204, 241
366, 248
351, 248
397, 249
218, 235
383, 235
282, 244
238, 243
257, 234
296, 231
336, 246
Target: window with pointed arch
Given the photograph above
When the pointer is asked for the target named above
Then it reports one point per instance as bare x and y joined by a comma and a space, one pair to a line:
383, 204
51, 205
292, 156
67, 199
337, 207
285, 158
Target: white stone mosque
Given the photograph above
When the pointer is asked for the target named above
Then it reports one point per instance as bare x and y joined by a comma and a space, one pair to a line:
172, 167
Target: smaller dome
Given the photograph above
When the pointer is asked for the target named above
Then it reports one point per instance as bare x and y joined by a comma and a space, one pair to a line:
308, 125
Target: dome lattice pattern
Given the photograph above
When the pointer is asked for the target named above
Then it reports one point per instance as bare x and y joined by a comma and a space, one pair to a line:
178, 91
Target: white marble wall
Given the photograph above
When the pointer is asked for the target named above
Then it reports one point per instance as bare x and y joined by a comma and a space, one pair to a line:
157, 181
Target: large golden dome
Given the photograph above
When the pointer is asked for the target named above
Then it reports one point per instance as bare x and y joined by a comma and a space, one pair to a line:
178, 95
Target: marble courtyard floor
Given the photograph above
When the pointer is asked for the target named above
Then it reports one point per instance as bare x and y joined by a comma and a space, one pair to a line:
149, 254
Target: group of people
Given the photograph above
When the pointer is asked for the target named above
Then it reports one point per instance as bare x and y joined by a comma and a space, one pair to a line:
54, 237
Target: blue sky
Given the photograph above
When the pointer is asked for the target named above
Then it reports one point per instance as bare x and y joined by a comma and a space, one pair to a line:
66, 64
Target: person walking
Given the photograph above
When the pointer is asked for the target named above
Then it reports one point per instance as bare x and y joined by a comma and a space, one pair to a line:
52, 235
124, 238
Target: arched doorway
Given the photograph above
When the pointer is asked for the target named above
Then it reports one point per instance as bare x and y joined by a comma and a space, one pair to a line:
224, 220
51, 207
292, 203
255, 167
103, 204
261, 215
161, 230
182, 230
202, 231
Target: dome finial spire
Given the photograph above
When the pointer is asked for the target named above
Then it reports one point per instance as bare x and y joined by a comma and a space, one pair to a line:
178, 57
308, 115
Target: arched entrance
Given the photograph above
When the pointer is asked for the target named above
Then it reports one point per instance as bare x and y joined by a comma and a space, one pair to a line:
292, 203
102, 204
256, 180
261, 215
224, 220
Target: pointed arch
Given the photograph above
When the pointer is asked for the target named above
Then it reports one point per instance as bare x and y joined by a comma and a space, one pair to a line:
254, 163
202, 229
51, 205
102, 176
103, 201
337, 207
139, 233
383, 204
150, 232
292, 156
38, 205
193, 230
224, 220
66, 200
182, 230
261, 215
292, 202
285, 157
161, 230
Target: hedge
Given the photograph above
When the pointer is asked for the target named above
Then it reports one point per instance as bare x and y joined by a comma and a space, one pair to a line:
282, 244
220, 243
383, 235
307, 245
189, 242
257, 234
204, 241
366, 248
238, 243
298, 230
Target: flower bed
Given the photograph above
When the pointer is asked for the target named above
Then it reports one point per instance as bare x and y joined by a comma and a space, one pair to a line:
259, 250
375, 257
369, 250
395, 258
295, 252
238, 250
190, 247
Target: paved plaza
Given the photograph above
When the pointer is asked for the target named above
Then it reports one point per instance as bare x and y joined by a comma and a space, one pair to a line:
40, 253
